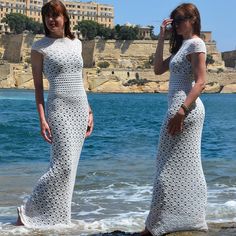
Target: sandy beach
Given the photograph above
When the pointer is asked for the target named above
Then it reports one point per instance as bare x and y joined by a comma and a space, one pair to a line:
215, 229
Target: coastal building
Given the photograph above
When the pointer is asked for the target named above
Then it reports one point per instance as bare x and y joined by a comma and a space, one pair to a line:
206, 36
78, 11
144, 32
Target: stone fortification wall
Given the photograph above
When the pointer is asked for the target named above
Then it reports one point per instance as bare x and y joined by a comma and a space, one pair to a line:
136, 54
129, 68
120, 54
88, 53
11, 47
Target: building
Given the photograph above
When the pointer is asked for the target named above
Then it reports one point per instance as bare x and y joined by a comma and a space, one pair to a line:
78, 11
144, 32
100, 13
206, 36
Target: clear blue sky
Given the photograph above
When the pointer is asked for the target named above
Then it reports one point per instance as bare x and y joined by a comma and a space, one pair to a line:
217, 16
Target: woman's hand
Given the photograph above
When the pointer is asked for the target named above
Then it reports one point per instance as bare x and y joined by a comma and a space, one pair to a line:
164, 27
46, 132
90, 124
175, 125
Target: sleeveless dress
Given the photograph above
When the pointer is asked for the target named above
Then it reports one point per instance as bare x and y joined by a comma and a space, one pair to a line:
67, 115
179, 193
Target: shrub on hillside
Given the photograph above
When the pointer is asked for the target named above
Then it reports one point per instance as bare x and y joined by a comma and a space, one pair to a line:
136, 81
103, 64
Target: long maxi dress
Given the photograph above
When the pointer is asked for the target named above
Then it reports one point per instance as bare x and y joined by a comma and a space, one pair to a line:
67, 115
180, 193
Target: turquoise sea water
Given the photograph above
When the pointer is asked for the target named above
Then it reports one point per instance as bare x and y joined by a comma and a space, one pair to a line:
115, 174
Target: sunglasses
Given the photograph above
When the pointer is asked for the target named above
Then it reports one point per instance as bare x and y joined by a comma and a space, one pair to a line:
179, 20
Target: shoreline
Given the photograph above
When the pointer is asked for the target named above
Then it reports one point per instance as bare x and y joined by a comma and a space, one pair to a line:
105, 92
126, 81
215, 229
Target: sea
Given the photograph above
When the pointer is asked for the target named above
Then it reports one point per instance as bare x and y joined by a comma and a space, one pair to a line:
117, 166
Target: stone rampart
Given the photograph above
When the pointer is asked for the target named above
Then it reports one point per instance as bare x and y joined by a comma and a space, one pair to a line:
128, 64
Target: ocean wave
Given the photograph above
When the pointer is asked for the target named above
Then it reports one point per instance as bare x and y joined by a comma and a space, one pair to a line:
221, 212
125, 222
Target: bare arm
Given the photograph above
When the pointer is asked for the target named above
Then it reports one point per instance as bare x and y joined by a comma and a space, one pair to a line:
160, 65
37, 68
199, 72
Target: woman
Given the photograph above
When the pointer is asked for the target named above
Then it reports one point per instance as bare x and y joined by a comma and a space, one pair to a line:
180, 193
69, 118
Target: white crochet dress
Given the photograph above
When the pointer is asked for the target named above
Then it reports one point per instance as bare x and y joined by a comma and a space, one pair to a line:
67, 114
179, 192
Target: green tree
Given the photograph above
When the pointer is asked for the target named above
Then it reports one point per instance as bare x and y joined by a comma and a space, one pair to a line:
16, 21
153, 36
19, 22
117, 29
89, 29
105, 32
34, 26
127, 33
209, 59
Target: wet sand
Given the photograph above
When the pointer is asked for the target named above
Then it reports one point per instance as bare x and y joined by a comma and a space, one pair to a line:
215, 229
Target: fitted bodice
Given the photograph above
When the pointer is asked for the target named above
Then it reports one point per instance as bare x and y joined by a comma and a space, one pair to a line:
62, 64
181, 72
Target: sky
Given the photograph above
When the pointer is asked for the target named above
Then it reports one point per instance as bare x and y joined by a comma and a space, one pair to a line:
218, 16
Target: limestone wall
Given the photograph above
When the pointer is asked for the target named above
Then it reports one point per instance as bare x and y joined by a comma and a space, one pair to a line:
136, 54
124, 54
128, 61
11, 45
119, 53
88, 53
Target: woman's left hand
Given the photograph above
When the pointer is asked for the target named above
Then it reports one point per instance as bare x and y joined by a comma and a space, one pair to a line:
175, 124
90, 125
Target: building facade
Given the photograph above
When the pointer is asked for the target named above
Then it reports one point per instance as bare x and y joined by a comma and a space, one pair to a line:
206, 36
144, 32
78, 11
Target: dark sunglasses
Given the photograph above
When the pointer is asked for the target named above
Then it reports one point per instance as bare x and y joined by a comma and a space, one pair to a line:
178, 20
53, 15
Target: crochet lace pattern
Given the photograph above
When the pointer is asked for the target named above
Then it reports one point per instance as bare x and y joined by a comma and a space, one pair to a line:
180, 193
67, 116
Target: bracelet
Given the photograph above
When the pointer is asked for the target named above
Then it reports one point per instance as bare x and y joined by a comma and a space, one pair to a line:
186, 109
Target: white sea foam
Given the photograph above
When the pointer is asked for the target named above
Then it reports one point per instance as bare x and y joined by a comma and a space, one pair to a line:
124, 222
221, 212
122, 206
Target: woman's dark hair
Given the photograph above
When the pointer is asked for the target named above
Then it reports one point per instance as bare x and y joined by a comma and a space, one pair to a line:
187, 11
56, 7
